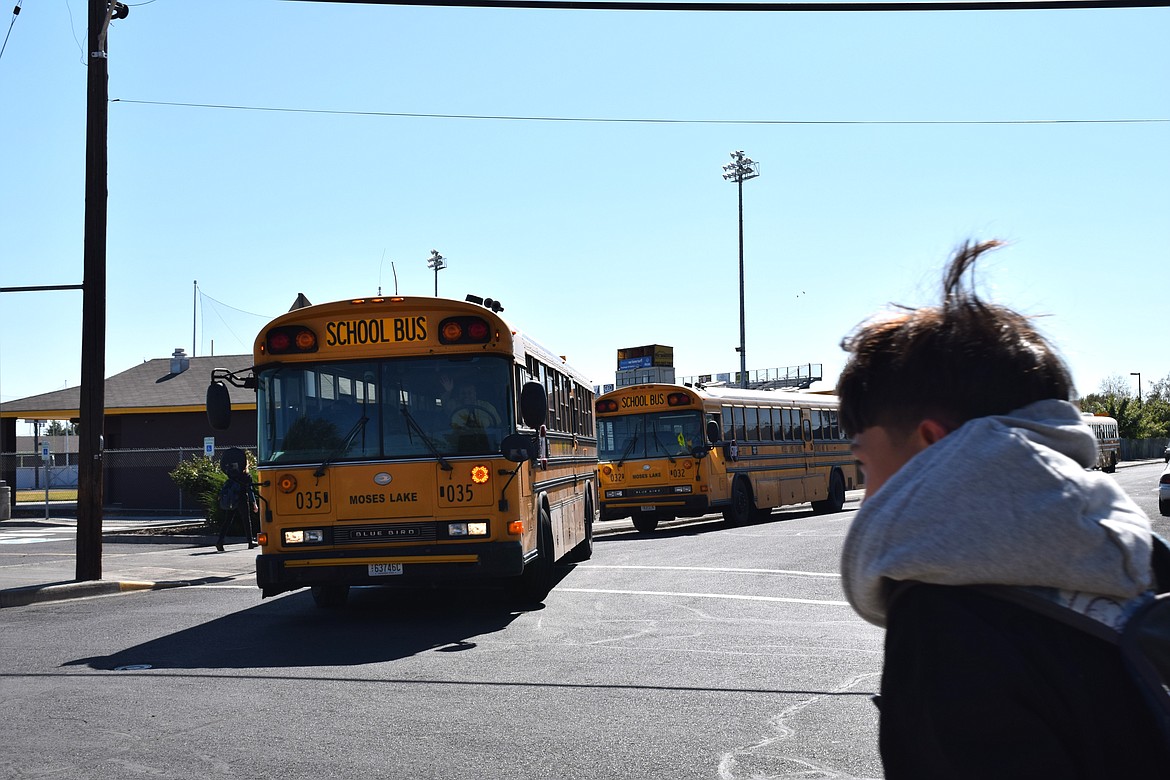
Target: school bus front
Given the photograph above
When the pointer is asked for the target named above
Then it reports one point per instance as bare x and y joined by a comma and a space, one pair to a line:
372, 523
651, 454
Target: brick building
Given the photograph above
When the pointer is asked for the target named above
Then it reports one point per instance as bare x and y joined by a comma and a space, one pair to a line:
154, 417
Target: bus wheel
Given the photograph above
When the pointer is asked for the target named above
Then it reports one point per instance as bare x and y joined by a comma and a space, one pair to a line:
533, 585
646, 525
836, 499
741, 509
330, 596
1111, 466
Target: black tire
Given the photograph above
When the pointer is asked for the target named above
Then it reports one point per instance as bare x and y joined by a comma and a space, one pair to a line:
533, 586
646, 525
741, 509
836, 499
330, 596
1111, 466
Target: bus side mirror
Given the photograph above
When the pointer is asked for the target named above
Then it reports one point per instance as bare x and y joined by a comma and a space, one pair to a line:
533, 404
713, 431
219, 406
518, 448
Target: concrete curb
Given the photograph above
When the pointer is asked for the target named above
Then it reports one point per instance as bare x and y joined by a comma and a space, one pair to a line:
36, 594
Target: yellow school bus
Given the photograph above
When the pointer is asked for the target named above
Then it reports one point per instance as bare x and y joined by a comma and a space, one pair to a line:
668, 451
408, 440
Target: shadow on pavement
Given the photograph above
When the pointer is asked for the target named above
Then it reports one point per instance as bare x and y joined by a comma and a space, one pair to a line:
378, 624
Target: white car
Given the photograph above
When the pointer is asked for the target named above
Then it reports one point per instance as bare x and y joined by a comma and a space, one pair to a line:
1164, 492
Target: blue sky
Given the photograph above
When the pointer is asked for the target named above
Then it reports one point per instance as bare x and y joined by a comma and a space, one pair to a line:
878, 137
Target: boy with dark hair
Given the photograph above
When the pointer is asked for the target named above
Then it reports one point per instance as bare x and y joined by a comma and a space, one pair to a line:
976, 474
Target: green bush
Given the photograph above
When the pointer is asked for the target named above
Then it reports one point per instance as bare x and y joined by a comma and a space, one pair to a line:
201, 479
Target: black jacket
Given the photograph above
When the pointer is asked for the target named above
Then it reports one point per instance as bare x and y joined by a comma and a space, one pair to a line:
976, 687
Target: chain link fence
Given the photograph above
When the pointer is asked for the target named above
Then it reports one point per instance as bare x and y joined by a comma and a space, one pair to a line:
137, 481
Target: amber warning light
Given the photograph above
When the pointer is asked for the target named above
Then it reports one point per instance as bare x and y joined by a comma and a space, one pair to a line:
464, 330
294, 338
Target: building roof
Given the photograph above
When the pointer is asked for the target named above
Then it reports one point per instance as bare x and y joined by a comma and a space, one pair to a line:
149, 387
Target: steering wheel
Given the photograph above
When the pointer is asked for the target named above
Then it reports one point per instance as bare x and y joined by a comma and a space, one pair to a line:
484, 415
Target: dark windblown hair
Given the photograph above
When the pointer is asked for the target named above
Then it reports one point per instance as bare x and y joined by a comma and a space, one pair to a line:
962, 359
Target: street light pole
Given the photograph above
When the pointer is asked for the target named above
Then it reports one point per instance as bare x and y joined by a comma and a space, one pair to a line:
1138, 374
436, 262
740, 170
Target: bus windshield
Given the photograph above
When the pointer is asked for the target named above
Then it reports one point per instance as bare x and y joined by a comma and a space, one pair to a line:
653, 435
394, 408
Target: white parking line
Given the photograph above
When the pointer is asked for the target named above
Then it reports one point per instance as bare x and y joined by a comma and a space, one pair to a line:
703, 596
835, 575
34, 535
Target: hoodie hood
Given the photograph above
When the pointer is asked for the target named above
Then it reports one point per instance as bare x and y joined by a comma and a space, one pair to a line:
1002, 500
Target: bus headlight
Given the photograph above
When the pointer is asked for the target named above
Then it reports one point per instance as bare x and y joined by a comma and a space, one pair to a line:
477, 528
311, 536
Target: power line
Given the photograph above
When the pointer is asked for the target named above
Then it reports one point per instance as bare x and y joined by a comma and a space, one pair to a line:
15, 13
644, 120
829, 6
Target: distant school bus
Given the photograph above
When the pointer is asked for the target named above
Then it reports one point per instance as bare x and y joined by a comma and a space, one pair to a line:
1108, 440
669, 451
414, 440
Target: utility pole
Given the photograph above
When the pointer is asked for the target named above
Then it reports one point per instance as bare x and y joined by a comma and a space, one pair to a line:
740, 170
93, 307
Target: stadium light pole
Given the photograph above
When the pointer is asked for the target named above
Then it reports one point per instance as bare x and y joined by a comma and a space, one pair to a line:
740, 170
1138, 374
436, 262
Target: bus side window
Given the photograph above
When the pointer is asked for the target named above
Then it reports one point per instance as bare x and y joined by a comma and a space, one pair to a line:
728, 424
834, 429
751, 424
766, 424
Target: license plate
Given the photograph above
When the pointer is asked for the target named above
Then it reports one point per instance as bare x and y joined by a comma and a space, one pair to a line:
649, 508
384, 569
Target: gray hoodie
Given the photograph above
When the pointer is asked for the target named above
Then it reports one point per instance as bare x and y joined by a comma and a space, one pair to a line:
1002, 500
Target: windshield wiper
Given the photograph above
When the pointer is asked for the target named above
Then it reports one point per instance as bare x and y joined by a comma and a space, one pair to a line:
357, 426
426, 439
629, 447
662, 446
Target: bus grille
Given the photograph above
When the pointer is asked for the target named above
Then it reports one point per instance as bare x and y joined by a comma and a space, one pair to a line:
397, 532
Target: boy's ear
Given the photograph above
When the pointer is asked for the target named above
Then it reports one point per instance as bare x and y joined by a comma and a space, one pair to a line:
931, 430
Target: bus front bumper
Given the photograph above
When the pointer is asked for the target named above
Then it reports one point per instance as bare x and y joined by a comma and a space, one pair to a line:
656, 506
280, 572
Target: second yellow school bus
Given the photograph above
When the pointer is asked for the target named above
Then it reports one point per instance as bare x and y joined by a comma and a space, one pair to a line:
669, 451
414, 440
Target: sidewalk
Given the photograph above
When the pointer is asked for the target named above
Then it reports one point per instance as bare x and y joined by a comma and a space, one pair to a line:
139, 554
